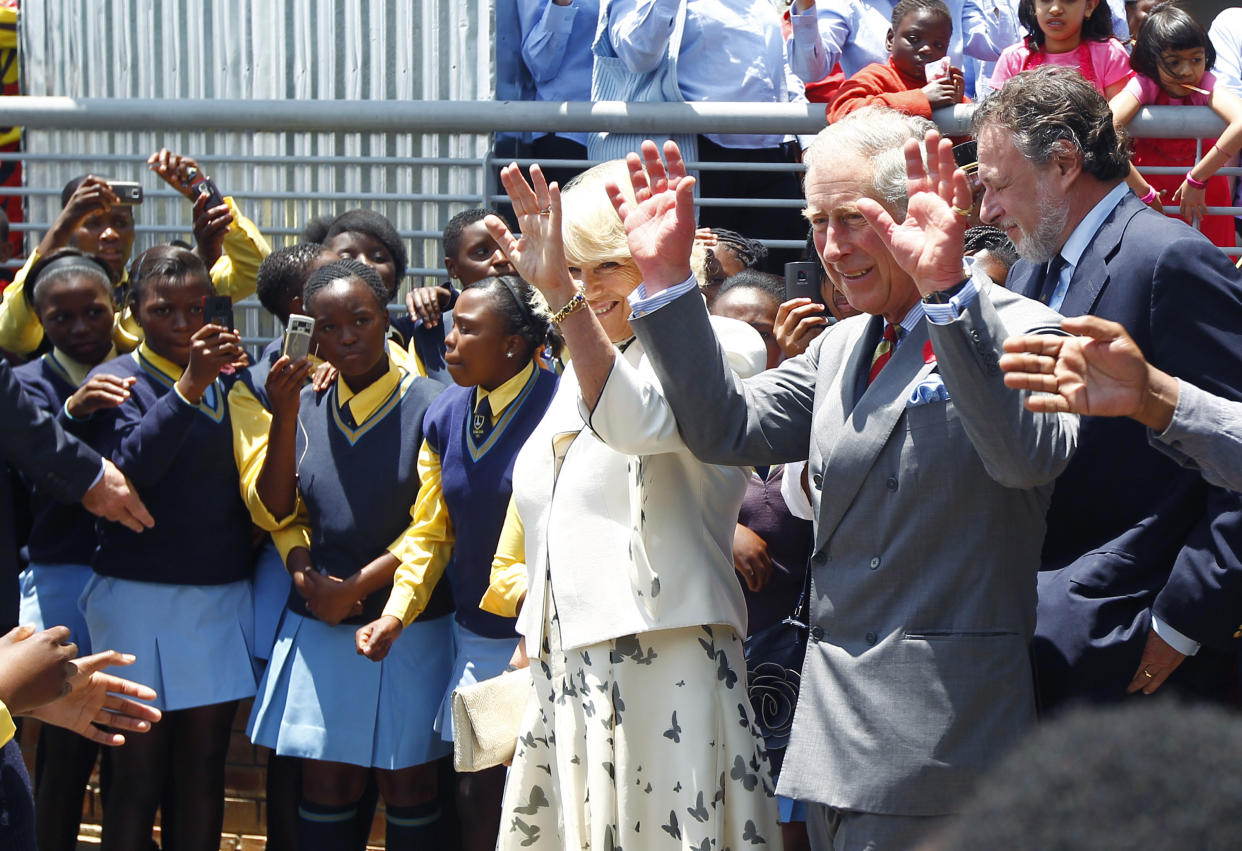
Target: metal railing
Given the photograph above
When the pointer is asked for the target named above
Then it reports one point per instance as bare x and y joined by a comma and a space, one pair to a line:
286, 160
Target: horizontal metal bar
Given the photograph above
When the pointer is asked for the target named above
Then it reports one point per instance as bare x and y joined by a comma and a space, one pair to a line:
406, 116
1163, 122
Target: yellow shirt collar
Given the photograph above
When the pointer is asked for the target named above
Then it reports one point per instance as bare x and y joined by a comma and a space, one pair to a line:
367, 401
503, 396
75, 370
160, 362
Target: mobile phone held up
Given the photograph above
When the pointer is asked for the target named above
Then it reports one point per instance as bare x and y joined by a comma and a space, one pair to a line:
298, 336
802, 280
204, 185
128, 193
218, 310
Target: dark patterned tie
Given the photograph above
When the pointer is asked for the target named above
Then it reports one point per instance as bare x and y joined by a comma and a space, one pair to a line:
1052, 276
481, 422
883, 351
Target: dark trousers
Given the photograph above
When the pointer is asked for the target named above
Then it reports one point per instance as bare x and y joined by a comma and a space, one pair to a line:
551, 147
753, 222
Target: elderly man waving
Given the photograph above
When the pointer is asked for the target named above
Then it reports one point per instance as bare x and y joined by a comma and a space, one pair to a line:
929, 478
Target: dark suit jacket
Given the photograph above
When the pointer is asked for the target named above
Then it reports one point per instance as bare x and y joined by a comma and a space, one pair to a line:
63, 466
1129, 532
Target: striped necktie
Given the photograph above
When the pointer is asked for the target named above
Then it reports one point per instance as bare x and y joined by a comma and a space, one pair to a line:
883, 351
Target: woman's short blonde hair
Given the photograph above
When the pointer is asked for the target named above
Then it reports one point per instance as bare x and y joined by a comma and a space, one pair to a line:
590, 227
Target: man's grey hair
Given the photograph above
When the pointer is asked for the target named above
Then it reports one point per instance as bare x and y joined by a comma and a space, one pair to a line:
1051, 109
876, 134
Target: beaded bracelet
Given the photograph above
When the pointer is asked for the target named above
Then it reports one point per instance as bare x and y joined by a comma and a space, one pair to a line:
1197, 184
1150, 196
579, 300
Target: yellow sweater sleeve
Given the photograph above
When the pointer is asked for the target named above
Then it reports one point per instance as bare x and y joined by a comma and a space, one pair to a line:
251, 423
235, 272
426, 545
20, 331
7, 728
292, 536
508, 582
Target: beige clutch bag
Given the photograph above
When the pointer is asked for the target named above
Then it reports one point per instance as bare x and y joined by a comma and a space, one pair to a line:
486, 719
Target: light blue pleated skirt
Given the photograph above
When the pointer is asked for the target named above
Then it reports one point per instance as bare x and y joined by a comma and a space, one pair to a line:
476, 658
320, 700
271, 593
193, 643
50, 594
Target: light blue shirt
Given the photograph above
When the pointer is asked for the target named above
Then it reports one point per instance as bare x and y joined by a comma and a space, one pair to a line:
1226, 35
1080, 238
556, 47
731, 50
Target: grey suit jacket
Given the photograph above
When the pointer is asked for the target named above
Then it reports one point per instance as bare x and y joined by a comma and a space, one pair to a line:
929, 520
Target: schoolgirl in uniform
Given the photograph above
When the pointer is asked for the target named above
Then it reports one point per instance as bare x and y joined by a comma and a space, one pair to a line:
472, 433
71, 295
353, 467
178, 595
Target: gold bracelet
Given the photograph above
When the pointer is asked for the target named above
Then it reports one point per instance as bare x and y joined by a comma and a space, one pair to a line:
579, 300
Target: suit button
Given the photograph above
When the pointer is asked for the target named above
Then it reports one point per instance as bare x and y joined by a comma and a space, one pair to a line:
870, 638
817, 633
817, 480
891, 483
875, 562
820, 557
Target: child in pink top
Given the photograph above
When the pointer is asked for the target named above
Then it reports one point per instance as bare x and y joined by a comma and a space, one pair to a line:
1172, 55
1074, 33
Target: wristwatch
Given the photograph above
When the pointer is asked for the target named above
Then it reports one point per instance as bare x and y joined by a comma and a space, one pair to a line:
944, 296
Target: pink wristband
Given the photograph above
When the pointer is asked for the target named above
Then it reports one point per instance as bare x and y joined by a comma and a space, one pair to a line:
1197, 184
1150, 196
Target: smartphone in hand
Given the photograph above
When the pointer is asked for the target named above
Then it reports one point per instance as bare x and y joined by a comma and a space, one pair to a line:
218, 310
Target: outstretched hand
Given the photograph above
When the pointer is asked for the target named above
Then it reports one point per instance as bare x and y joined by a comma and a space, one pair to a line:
1099, 372
97, 699
928, 244
659, 224
539, 254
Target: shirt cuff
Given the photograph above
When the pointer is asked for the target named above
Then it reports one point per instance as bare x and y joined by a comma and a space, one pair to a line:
641, 304
944, 314
1173, 638
400, 605
100, 474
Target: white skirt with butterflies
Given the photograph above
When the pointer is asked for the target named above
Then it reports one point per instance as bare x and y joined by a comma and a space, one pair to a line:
643, 742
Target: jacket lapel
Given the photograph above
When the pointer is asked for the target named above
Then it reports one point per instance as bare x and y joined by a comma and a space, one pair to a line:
853, 440
1091, 274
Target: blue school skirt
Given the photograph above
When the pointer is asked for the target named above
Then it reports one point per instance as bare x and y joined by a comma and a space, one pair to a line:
193, 643
475, 658
50, 594
271, 592
320, 700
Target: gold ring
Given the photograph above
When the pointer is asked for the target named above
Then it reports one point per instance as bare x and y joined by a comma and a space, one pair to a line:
965, 214
546, 211
1147, 673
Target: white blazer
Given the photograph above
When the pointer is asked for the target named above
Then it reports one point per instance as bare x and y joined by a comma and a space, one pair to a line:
634, 532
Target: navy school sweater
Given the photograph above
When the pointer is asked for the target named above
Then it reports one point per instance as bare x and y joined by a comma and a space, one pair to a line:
359, 481
477, 483
59, 533
180, 458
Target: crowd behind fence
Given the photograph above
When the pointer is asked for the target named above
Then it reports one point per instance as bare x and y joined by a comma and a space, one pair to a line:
315, 167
